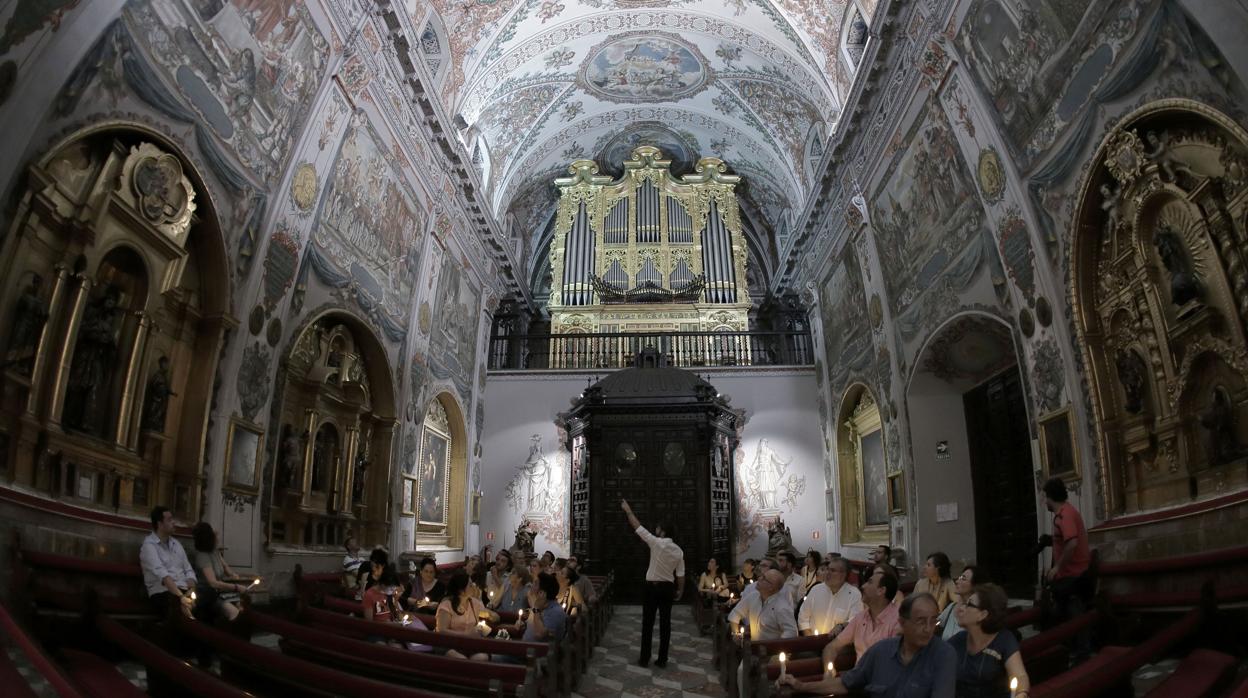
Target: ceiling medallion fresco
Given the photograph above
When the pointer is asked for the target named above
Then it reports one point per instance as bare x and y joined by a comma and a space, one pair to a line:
644, 67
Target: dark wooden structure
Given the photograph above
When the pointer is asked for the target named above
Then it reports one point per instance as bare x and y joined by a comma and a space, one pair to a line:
662, 438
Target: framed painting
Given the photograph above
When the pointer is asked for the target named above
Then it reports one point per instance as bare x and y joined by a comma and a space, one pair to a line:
897, 493
1059, 452
434, 485
874, 478
242, 457
409, 496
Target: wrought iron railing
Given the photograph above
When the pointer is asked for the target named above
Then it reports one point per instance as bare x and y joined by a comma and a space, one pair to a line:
683, 349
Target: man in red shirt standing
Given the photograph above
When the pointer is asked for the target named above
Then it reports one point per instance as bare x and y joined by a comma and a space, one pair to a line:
1068, 576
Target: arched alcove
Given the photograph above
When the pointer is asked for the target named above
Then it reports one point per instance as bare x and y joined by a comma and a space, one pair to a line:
1159, 304
973, 469
863, 470
434, 491
334, 427
117, 285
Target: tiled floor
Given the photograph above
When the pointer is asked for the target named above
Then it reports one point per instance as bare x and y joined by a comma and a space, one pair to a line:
613, 671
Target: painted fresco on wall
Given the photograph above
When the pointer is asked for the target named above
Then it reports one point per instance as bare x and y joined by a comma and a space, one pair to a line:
644, 67
453, 345
769, 485
369, 229
248, 67
538, 491
926, 210
1012, 48
23, 26
843, 307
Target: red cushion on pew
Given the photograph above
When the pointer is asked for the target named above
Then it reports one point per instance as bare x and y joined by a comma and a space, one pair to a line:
98, 677
80, 565
1202, 673
1241, 691
1055, 685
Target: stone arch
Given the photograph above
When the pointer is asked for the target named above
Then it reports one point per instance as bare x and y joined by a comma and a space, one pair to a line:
444, 420
1155, 272
975, 494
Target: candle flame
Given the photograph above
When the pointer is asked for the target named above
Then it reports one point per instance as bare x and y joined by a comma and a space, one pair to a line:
255, 582
782, 657
192, 596
831, 668
1014, 683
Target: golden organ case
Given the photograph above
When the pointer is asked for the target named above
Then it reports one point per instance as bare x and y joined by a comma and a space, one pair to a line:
650, 252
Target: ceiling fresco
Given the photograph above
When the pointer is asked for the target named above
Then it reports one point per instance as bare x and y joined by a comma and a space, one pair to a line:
539, 83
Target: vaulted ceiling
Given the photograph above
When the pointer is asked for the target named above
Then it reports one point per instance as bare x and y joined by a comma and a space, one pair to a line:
535, 84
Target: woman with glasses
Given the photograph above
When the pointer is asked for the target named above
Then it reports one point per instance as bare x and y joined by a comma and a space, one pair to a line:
988, 653
964, 584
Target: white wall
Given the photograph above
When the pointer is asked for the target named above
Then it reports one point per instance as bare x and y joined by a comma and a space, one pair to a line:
937, 414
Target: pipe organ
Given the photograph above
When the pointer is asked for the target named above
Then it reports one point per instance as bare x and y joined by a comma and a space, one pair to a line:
649, 252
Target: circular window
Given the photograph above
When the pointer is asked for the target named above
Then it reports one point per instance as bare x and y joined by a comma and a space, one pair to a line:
674, 459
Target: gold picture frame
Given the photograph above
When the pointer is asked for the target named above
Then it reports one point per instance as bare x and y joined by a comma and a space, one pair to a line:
1059, 448
897, 493
244, 451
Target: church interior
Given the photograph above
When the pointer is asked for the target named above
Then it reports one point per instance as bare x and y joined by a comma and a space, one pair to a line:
435, 279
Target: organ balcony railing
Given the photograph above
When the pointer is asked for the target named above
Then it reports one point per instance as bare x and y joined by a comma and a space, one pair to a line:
618, 349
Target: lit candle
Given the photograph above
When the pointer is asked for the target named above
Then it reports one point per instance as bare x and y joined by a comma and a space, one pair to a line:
782, 662
255, 582
424, 600
192, 596
485, 629
831, 669
491, 594
1013, 686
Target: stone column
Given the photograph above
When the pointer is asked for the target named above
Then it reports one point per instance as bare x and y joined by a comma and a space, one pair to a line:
131, 385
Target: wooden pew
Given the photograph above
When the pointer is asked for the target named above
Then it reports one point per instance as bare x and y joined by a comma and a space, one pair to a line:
12, 681
447, 674
163, 669
1201, 673
54, 585
1112, 666
275, 673
540, 655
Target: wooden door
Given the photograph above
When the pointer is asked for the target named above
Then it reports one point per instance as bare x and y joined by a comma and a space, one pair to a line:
1004, 486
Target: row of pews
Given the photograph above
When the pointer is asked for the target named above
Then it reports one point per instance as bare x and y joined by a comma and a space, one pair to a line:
74, 620
1134, 629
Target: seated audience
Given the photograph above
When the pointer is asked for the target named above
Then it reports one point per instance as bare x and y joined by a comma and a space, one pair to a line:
218, 587
380, 599
461, 612
499, 574
935, 580
891, 571
786, 563
351, 564
746, 577
768, 611
515, 594
829, 606
916, 664
548, 559
877, 621
882, 555
425, 590
712, 582
547, 621
760, 570
583, 584
569, 597
987, 653
167, 574
964, 585
810, 570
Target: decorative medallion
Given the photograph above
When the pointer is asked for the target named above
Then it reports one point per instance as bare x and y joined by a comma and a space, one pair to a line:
281, 262
1044, 312
253, 380
273, 334
162, 194
644, 67
255, 320
1125, 157
991, 175
876, 310
424, 317
303, 186
1026, 323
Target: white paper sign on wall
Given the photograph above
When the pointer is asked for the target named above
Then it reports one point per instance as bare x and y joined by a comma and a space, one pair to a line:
947, 511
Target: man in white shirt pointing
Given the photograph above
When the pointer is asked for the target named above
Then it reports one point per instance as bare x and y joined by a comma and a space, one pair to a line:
665, 582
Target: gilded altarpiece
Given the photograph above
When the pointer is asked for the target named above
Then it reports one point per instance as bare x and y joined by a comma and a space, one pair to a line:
1160, 292
650, 252
114, 304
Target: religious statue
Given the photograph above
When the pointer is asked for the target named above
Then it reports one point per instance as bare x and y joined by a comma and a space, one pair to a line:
537, 470
357, 477
1219, 420
768, 471
1131, 375
156, 403
95, 357
1184, 284
291, 458
524, 540
1162, 155
1110, 205
778, 538
29, 317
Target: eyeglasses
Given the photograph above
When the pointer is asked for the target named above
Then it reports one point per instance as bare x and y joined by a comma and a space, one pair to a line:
968, 604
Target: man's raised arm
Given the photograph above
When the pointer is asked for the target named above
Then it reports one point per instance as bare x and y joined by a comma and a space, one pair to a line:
628, 511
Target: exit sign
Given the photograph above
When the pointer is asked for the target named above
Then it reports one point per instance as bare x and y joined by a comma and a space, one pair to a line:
489, 535
814, 535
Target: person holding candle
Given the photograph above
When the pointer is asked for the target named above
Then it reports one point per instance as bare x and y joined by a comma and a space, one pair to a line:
712, 582
218, 586
569, 596
829, 606
916, 664
878, 620
425, 590
746, 578
459, 612
514, 596
768, 612
665, 582
988, 654
499, 574
546, 622
167, 574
